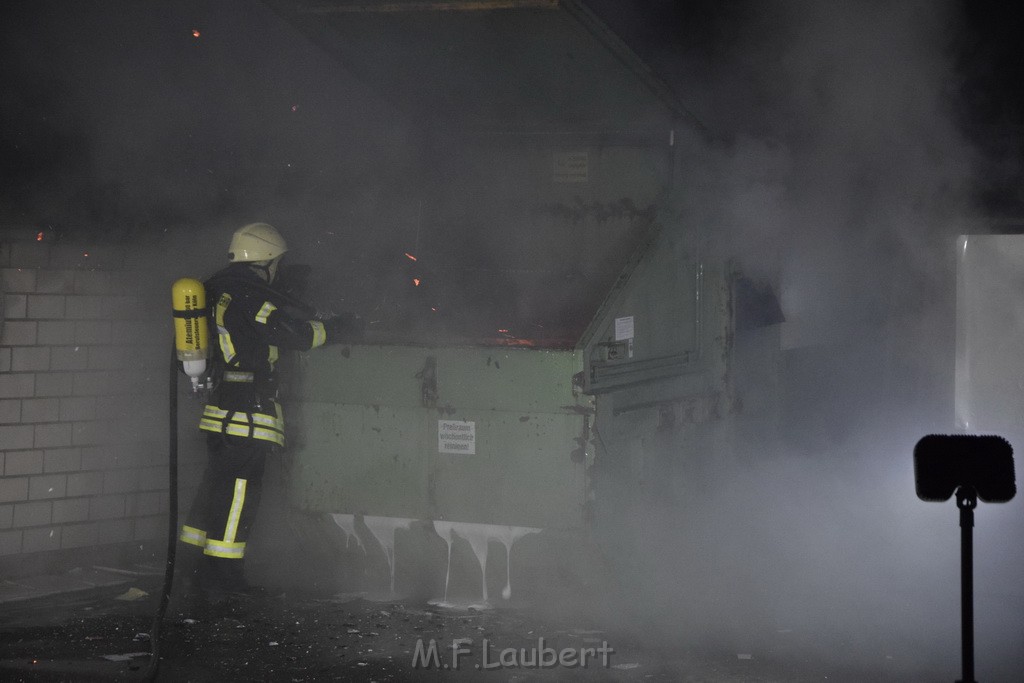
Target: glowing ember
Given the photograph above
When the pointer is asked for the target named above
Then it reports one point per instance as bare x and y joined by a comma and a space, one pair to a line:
503, 331
416, 281
410, 256
195, 33
85, 254
434, 309
510, 341
295, 107
39, 236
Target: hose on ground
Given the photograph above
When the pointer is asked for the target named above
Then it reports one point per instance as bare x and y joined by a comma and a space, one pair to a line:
172, 522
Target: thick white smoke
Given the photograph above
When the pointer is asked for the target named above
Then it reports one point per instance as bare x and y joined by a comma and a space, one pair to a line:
840, 169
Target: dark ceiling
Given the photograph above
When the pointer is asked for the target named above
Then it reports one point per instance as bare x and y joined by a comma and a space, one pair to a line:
114, 116
496, 64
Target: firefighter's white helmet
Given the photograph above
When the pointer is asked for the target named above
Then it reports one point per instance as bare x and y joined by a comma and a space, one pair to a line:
256, 242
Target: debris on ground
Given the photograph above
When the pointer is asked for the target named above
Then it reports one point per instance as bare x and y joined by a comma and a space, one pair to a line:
313, 638
125, 657
133, 594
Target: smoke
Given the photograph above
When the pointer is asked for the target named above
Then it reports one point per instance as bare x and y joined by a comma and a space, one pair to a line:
126, 120
846, 165
837, 165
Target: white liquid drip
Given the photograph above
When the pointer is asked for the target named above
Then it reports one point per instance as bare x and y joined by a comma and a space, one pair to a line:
478, 536
444, 530
478, 542
383, 529
508, 536
348, 525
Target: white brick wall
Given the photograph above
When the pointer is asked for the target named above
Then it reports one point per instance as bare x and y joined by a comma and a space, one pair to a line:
83, 371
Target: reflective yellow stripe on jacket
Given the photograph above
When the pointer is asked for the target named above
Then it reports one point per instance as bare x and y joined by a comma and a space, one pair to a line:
227, 347
264, 313
245, 425
239, 376
319, 333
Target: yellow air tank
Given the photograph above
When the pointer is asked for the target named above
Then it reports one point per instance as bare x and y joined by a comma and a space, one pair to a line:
191, 332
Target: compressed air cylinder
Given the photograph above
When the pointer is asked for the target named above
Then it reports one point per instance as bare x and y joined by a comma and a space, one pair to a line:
191, 332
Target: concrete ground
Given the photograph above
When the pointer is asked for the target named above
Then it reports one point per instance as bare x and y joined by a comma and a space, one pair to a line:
95, 624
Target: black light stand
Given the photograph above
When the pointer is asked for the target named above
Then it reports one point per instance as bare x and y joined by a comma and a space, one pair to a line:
967, 500
972, 467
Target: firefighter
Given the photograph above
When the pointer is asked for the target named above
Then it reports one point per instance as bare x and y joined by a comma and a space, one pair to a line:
253, 322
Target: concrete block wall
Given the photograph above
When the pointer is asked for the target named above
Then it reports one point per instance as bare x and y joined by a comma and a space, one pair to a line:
84, 350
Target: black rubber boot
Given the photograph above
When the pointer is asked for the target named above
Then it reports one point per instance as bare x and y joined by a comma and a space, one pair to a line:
220, 578
186, 568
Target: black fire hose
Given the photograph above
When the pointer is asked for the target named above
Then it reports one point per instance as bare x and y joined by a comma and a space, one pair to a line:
172, 523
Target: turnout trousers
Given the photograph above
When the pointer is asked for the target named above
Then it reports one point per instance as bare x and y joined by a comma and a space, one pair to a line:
224, 508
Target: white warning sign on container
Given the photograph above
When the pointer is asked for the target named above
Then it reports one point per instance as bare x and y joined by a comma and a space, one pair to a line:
624, 328
456, 436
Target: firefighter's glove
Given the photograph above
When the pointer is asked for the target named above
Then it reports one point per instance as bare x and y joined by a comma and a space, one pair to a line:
344, 329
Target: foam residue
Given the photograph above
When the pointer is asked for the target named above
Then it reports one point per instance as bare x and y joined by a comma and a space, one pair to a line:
479, 536
444, 530
383, 529
348, 525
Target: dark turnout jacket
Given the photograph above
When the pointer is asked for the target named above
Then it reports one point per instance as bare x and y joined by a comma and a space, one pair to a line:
253, 323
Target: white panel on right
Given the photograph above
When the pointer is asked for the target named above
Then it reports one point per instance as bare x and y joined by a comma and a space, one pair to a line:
990, 334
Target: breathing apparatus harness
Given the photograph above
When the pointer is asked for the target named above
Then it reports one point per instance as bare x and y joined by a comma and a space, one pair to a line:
206, 370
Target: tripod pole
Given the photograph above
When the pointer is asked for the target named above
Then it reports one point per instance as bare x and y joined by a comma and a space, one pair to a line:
967, 500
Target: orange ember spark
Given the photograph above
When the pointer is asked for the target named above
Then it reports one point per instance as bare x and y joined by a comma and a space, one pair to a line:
503, 331
195, 33
39, 236
416, 281
410, 256
511, 341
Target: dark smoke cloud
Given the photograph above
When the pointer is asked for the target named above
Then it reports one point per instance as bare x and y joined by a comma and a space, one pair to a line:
118, 119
